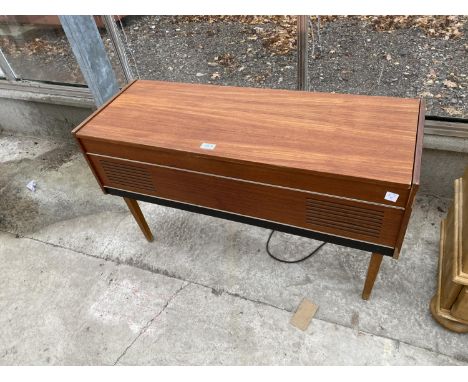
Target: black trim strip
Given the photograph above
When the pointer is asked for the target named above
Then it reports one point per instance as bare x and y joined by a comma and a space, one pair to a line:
387, 251
445, 119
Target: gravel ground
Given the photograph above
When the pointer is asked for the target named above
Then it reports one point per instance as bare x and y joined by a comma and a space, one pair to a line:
352, 57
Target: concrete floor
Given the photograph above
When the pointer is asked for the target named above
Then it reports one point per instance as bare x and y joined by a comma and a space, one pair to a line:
79, 284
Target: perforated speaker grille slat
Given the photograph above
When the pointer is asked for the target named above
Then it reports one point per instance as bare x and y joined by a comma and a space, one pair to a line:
344, 217
124, 175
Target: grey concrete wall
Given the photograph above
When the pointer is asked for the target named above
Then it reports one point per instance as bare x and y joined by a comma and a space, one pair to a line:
439, 169
40, 118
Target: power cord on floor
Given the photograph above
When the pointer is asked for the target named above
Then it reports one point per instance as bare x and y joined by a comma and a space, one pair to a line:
290, 261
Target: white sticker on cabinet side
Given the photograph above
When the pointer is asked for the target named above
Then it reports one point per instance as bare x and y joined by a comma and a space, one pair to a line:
392, 197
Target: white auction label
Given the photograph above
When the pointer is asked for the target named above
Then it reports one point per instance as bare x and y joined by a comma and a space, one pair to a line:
391, 196
208, 146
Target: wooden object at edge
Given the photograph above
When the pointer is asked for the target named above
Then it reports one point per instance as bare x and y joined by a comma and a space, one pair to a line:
449, 306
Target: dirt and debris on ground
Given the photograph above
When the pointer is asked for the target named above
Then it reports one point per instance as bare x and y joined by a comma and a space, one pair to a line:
403, 56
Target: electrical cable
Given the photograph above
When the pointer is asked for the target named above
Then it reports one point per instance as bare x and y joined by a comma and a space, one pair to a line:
290, 261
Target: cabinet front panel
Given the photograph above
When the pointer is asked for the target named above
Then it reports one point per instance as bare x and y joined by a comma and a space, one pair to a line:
342, 217
278, 176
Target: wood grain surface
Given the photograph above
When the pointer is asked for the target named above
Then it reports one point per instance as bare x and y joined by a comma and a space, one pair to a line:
256, 172
449, 289
419, 143
440, 306
460, 232
347, 136
347, 218
460, 307
463, 226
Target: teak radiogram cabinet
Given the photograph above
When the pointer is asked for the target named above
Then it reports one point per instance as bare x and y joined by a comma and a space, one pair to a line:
335, 167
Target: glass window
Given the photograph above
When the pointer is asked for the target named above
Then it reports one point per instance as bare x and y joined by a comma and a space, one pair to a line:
225, 50
401, 56
37, 49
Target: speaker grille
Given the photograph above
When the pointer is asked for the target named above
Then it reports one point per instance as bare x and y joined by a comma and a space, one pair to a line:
125, 175
344, 217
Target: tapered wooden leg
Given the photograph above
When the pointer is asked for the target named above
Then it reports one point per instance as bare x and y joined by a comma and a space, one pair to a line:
140, 219
372, 272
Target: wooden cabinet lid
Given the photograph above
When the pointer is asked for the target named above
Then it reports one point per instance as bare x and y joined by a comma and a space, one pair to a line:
350, 136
